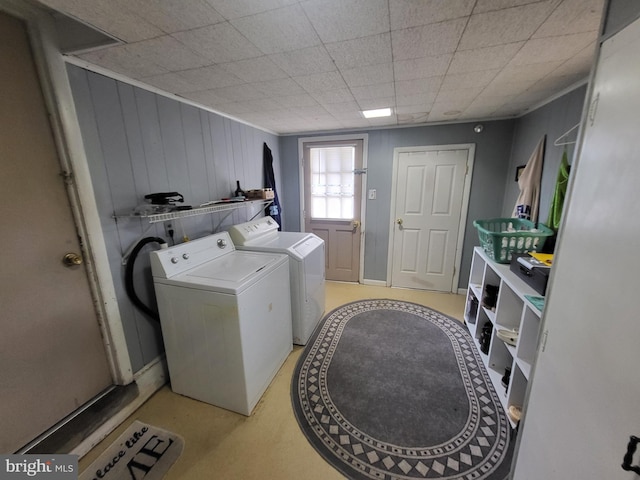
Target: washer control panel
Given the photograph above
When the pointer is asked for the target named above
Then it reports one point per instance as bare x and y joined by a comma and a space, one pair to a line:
177, 259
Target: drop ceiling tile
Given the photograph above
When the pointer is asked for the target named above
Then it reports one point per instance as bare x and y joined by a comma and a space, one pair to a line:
416, 108
234, 108
461, 95
121, 60
243, 8
413, 13
506, 87
544, 50
383, 121
300, 100
448, 109
220, 43
504, 26
422, 67
510, 110
526, 73
109, 16
416, 118
460, 81
171, 82
305, 61
279, 87
340, 96
372, 103
255, 69
367, 92
573, 16
168, 52
206, 78
361, 52
310, 111
577, 64
483, 6
425, 99
339, 20
279, 30
357, 77
343, 108
418, 86
484, 58
171, 15
429, 40
206, 97
238, 93
262, 105
321, 82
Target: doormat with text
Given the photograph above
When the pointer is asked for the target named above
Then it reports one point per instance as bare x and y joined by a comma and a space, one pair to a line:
142, 451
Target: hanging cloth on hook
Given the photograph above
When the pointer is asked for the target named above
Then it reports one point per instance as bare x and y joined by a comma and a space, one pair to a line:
559, 193
273, 209
529, 183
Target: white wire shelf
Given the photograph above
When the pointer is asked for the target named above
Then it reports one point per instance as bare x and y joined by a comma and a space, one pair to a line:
228, 207
193, 212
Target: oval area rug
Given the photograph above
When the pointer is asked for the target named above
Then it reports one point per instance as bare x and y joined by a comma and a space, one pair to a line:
387, 389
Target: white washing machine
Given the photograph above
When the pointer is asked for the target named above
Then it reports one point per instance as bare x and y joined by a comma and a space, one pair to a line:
226, 321
306, 267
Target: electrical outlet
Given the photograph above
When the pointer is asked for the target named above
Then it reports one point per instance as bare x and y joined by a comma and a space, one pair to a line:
168, 229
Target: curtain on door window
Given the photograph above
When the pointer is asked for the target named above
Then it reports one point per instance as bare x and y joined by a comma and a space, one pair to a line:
332, 182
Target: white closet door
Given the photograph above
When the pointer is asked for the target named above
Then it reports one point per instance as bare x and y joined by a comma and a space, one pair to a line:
585, 393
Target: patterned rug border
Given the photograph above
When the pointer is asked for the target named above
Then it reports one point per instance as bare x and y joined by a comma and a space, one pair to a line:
444, 461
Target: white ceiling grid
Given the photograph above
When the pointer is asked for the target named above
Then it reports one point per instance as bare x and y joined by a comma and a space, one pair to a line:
291, 66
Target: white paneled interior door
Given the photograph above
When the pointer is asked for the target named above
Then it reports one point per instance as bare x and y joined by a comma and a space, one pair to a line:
583, 404
428, 209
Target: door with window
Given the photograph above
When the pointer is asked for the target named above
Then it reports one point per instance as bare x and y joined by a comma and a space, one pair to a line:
333, 189
429, 212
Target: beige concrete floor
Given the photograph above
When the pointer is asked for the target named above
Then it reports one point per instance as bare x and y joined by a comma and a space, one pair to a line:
220, 444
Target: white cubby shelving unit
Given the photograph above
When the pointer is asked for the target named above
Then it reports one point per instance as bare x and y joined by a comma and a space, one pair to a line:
512, 310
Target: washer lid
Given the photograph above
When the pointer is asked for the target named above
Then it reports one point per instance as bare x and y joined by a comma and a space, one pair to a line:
231, 273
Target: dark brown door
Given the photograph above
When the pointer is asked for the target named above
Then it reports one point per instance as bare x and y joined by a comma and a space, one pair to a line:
51, 351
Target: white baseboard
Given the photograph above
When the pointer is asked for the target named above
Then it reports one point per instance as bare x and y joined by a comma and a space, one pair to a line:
149, 380
377, 283
462, 291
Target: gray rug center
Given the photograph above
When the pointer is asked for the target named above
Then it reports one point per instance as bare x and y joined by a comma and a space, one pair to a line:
390, 373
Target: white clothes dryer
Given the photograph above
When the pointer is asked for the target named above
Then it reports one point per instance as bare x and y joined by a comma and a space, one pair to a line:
225, 317
306, 268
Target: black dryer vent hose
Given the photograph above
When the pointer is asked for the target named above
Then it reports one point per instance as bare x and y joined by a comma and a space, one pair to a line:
128, 277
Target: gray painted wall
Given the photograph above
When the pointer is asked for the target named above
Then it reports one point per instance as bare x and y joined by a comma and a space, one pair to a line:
551, 120
493, 148
137, 143
620, 13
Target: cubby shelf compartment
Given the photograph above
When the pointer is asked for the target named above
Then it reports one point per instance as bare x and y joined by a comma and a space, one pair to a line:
512, 311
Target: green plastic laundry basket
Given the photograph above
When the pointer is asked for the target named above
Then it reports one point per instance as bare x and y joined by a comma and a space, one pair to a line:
502, 237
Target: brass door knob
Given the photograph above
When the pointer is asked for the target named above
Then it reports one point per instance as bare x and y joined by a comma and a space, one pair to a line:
399, 221
355, 224
72, 259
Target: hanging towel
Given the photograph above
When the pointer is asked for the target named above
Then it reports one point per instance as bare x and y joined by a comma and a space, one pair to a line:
559, 193
529, 183
273, 209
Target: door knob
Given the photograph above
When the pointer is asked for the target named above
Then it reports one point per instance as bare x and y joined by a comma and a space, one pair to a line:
72, 259
399, 221
356, 225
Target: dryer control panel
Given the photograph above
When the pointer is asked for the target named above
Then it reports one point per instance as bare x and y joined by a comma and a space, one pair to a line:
244, 233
